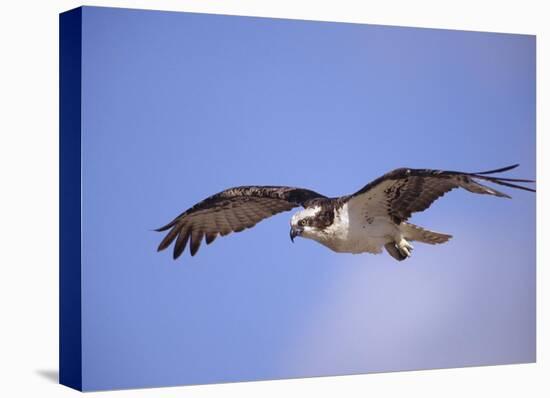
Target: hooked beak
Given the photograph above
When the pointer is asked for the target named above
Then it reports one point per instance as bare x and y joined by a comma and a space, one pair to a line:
294, 232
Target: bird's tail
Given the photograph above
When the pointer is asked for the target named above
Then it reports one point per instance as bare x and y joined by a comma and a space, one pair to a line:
416, 233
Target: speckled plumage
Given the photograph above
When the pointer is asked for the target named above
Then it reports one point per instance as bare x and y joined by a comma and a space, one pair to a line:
366, 221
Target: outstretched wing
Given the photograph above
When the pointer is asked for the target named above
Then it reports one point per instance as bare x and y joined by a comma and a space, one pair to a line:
402, 192
229, 211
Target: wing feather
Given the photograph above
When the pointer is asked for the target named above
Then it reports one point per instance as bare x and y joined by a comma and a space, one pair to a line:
232, 210
183, 236
196, 238
402, 192
210, 237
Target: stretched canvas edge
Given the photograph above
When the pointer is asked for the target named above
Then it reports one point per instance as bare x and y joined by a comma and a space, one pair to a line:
70, 298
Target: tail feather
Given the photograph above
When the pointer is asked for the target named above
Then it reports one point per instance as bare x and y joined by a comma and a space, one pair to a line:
416, 233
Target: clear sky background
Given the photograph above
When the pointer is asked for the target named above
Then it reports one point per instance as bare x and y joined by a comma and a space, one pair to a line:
179, 106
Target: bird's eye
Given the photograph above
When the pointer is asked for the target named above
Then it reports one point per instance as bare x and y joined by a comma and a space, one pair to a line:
302, 223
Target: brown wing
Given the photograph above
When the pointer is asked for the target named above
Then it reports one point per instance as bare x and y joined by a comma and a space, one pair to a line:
402, 192
232, 210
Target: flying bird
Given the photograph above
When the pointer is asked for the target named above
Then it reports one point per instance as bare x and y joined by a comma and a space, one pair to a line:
373, 218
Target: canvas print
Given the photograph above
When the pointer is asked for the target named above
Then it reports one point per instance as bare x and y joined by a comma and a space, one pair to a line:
252, 198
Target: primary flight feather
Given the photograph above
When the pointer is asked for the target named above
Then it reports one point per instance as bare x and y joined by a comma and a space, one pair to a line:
372, 218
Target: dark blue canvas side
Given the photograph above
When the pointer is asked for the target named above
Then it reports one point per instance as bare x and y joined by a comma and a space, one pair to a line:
70, 317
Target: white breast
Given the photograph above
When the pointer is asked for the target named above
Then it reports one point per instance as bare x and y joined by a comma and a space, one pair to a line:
351, 233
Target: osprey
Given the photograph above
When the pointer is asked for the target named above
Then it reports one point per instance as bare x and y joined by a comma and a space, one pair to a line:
372, 218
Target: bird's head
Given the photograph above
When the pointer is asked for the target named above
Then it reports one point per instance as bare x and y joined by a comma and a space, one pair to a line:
310, 223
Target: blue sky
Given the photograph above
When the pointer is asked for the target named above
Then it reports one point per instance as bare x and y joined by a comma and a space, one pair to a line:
179, 106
